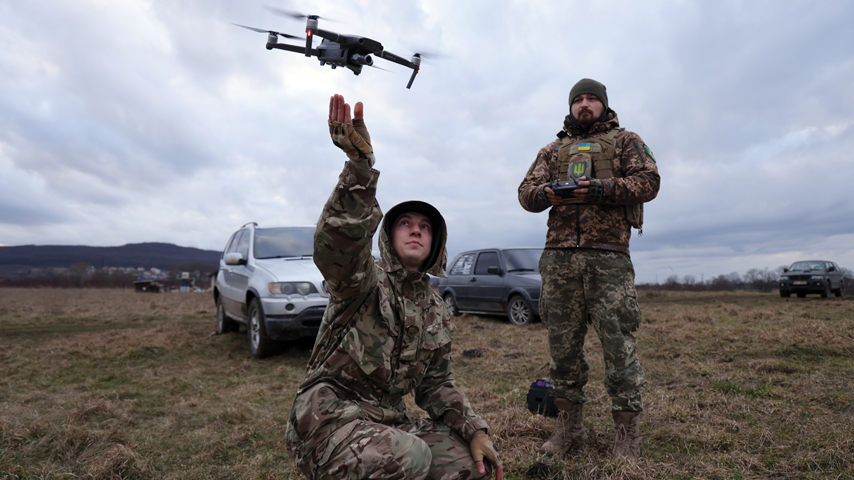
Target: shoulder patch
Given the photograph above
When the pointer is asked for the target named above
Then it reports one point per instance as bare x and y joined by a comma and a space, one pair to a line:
649, 152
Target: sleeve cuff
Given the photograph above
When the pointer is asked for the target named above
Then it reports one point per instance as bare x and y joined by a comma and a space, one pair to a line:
466, 428
366, 164
541, 195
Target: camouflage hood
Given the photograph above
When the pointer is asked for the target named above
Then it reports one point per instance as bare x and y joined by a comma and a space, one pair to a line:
438, 258
609, 122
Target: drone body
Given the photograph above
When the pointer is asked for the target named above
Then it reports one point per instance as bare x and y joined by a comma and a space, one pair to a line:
337, 50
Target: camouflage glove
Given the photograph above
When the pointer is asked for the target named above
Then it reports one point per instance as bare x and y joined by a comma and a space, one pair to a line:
594, 191
482, 447
353, 138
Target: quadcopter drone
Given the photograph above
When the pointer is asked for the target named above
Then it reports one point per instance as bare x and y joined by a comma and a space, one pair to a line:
336, 50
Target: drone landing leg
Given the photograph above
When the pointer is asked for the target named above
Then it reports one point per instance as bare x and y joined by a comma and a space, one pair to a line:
412, 78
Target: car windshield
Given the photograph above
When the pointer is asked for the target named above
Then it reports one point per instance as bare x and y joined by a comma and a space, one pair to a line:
284, 242
806, 266
523, 259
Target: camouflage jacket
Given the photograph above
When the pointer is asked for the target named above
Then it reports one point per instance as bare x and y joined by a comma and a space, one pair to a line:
601, 225
385, 332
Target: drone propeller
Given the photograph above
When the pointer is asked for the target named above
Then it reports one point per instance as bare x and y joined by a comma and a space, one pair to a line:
423, 54
379, 68
427, 54
297, 15
259, 30
310, 24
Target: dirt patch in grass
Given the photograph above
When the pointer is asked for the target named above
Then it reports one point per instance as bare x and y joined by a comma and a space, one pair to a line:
108, 384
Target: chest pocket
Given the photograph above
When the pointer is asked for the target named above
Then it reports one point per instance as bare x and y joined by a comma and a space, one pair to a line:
422, 327
435, 337
582, 159
411, 313
589, 158
438, 335
370, 343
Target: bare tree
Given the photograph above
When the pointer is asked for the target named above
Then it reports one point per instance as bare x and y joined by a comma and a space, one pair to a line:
848, 276
726, 282
753, 278
672, 282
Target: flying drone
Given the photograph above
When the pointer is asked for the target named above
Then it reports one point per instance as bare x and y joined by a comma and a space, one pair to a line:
336, 50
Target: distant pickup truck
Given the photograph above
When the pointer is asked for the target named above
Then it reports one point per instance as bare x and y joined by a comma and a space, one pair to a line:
812, 276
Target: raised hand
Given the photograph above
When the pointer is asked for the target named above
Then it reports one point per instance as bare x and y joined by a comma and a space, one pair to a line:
347, 134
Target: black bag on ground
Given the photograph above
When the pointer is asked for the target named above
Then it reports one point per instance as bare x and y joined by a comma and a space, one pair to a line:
540, 399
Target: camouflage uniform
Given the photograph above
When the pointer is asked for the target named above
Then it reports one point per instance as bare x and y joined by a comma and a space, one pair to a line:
385, 334
586, 270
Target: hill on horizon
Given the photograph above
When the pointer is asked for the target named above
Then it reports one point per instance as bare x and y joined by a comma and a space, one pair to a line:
147, 255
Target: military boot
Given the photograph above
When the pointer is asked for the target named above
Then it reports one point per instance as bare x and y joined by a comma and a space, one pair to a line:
569, 430
626, 434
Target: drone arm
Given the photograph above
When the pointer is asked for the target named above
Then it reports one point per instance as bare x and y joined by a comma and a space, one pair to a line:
406, 63
397, 59
331, 36
291, 48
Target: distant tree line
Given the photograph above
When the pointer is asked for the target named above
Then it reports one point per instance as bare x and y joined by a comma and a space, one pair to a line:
83, 275
762, 280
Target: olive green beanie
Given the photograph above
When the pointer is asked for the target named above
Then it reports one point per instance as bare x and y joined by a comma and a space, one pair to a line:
587, 85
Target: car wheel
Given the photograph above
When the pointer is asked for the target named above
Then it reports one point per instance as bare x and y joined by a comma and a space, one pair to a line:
785, 294
223, 323
519, 311
451, 304
840, 292
259, 343
802, 295
826, 292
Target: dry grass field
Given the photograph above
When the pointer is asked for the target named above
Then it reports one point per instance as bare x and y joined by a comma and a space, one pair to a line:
104, 384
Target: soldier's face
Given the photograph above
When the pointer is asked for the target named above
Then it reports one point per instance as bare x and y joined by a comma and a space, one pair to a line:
412, 237
586, 108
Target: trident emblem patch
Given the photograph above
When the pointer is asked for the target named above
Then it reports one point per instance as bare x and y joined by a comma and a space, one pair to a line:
579, 169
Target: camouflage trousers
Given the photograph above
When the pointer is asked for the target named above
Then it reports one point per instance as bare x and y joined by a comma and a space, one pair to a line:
351, 440
581, 285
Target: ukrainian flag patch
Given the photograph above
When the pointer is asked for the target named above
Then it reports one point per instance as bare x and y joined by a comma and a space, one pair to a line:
583, 146
649, 152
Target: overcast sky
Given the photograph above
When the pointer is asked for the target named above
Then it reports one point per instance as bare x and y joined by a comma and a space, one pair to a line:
159, 121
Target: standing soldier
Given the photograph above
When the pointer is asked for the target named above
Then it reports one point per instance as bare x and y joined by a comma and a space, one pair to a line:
385, 334
586, 270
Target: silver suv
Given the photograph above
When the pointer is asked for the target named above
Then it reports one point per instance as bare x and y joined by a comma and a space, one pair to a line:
268, 282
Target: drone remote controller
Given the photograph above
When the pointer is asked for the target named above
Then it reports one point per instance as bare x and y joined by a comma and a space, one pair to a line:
565, 188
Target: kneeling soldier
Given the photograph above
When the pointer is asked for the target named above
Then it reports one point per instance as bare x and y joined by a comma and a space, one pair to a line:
385, 334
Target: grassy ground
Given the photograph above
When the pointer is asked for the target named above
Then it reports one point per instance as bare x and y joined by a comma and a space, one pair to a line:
115, 384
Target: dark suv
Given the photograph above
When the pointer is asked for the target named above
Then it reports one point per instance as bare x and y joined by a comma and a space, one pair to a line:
494, 281
812, 276
267, 280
